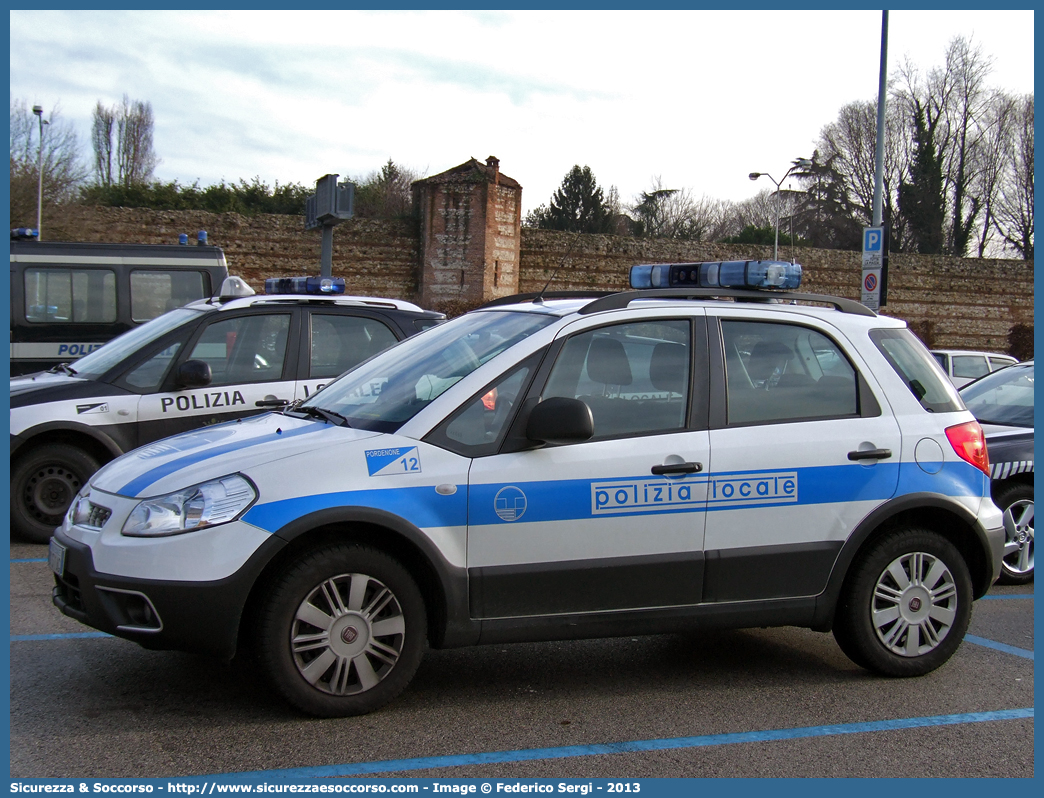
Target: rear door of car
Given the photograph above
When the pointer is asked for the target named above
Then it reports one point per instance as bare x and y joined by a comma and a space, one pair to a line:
801, 450
335, 339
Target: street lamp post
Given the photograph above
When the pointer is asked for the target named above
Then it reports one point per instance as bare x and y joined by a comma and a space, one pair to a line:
803, 164
38, 110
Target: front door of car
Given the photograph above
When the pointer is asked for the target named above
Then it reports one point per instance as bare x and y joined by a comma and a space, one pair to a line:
610, 523
802, 452
248, 359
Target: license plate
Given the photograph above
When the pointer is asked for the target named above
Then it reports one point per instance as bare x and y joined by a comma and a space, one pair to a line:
56, 557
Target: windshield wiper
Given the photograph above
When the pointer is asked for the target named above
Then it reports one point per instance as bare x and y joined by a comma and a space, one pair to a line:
62, 367
326, 415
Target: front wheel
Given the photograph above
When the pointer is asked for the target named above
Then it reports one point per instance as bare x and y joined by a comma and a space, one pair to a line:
44, 482
1016, 501
905, 605
342, 631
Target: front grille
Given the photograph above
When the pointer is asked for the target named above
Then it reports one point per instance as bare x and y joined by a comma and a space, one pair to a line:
97, 516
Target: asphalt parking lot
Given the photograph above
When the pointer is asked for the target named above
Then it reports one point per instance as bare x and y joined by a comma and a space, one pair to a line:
752, 703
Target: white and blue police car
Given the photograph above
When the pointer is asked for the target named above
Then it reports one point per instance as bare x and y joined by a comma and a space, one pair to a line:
207, 362
689, 455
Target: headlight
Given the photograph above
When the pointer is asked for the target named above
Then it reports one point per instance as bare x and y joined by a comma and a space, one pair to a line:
212, 503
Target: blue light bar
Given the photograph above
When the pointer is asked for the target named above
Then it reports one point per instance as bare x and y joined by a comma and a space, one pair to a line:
717, 274
304, 285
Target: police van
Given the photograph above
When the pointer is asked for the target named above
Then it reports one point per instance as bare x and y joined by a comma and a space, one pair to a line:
68, 299
202, 364
705, 451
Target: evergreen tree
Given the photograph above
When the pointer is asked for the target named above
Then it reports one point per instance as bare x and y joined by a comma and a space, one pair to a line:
921, 200
578, 206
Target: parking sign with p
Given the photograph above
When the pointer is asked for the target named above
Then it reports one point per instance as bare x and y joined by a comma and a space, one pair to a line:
874, 265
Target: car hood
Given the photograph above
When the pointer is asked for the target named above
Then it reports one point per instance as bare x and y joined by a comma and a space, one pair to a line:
42, 381
216, 451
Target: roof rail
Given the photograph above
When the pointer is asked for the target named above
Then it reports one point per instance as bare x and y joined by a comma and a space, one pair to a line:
516, 299
622, 299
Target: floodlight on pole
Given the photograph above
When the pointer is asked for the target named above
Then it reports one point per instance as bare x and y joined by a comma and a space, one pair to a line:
38, 111
798, 164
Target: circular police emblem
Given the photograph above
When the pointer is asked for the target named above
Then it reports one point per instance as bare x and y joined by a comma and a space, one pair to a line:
509, 503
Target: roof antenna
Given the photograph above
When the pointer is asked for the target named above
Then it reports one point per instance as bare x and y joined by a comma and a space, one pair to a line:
540, 297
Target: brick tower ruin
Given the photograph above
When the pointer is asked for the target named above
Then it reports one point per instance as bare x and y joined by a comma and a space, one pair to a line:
470, 217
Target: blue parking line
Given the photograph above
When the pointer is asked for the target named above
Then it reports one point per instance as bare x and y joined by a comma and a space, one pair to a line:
1008, 597
982, 641
33, 559
567, 752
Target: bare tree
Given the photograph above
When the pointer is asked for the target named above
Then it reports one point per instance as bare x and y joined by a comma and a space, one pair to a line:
63, 167
1014, 215
998, 123
124, 133
385, 194
967, 69
758, 211
103, 141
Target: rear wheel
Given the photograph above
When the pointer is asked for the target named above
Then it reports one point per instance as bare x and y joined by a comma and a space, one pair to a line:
905, 605
1016, 501
44, 482
342, 631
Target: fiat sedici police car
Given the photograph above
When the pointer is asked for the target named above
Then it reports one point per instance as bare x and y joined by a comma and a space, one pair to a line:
210, 361
687, 456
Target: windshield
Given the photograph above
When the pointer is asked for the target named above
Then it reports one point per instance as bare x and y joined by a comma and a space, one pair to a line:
1003, 397
391, 388
117, 350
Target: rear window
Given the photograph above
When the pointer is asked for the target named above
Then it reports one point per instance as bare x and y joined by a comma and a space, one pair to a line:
918, 370
1004, 397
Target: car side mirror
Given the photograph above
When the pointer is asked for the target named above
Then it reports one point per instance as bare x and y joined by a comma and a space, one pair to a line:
193, 374
560, 419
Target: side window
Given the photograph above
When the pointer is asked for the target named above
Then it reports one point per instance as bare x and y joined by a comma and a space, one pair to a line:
780, 372
339, 343
634, 377
149, 375
245, 349
70, 296
153, 293
999, 363
913, 363
476, 428
970, 366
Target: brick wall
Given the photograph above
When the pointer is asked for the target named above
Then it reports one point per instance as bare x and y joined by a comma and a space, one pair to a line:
954, 302
376, 258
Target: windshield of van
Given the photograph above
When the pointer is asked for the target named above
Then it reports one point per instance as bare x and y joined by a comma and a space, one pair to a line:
391, 388
116, 351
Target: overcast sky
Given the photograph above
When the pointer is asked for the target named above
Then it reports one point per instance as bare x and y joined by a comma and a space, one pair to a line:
698, 98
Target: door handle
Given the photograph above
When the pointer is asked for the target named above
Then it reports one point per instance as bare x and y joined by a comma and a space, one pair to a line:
677, 468
870, 454
271, 401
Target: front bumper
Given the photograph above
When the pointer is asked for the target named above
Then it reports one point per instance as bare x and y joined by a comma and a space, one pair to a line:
201, 617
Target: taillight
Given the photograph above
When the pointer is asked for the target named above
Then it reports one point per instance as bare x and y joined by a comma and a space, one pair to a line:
970, 444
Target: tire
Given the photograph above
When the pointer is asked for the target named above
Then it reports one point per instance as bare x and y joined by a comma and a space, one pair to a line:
341, 631
44, 482
905, 605
1016, 500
